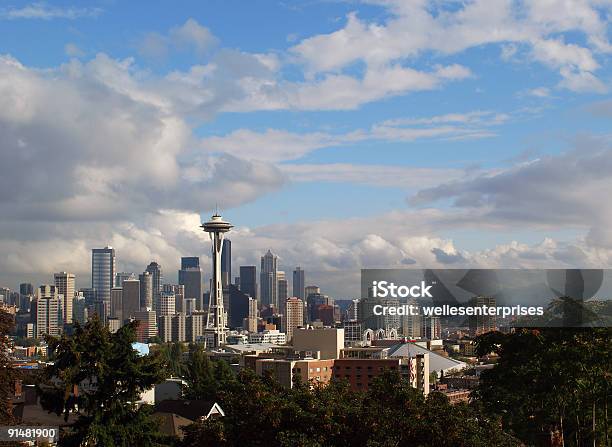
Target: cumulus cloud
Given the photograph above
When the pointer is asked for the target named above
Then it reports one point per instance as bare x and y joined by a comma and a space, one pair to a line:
88, 145
415, 28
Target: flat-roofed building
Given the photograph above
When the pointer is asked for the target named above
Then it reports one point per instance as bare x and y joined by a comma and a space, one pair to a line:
329, 341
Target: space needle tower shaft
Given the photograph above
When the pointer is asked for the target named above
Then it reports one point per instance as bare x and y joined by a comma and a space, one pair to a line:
216, 227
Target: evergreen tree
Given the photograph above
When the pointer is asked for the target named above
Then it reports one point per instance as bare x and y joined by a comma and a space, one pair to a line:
99, 377
8, 374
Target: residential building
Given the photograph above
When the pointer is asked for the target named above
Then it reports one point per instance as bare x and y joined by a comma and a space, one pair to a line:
65, 283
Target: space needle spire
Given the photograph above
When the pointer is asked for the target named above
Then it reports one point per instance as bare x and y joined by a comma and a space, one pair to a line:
215, 325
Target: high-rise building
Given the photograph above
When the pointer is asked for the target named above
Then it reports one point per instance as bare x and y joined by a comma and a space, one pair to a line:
102, 272
26, 289
267, 282
155, 271
431, 328
122, 276
166, 305
313, 302
216, 326
248, 280
282, 292
480, 324
195, 324
146, 291
66, 286
179, 295
147, 325
90, 295
130, 298
80, 309
299, 283
179, 327
190, 276
189, 305
48, 311
116, 308
309, 290
238, 308
294, 315
226, 263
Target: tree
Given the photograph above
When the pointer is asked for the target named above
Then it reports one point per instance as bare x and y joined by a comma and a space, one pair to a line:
8, 374
550, 382
259, 412
99, 377
205, 377
172, 353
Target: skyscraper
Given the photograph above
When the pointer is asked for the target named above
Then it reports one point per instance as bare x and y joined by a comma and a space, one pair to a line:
481, 324
190, 276
267, 283
248, 280
65, 283
146, 291
282, 289
48, 307
299, 283
226, 263
122, 276
179, 295
102, 272
216, 324
294, 315
26, 289
155, 271
116, 309
166, 304
130, 298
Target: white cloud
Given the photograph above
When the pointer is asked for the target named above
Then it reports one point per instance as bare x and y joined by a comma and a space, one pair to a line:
275, 145
42, 11
371, 174
416, 28
190, 35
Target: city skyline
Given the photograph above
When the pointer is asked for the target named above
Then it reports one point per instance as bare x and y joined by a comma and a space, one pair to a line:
437, 138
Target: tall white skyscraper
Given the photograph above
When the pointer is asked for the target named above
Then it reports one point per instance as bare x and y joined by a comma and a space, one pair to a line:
268, 280
146, 291
216, 320
49, 314
103, 272
66, 284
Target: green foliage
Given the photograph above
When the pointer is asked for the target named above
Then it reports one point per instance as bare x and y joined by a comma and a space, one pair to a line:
8, 374
205, 378
550, 381
172, 354
108, 376
259, 412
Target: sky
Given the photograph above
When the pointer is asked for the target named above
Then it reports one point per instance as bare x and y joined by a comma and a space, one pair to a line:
339, 134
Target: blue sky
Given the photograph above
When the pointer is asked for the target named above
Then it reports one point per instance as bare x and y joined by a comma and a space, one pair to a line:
301, 116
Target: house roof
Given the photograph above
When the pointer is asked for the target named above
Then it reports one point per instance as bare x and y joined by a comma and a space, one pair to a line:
437, 362
193, 410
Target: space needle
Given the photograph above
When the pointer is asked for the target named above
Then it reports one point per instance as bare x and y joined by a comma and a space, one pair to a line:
215, 323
